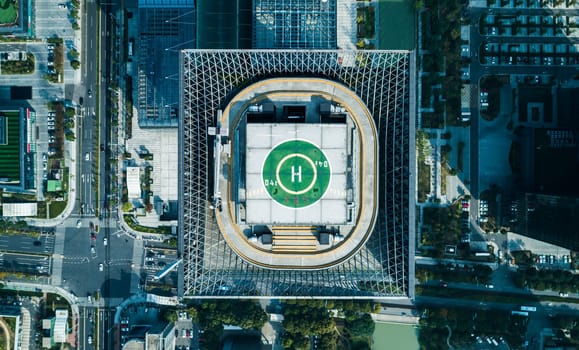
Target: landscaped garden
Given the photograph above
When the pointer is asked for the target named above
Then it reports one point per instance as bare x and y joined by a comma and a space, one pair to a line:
24, 65
8, 12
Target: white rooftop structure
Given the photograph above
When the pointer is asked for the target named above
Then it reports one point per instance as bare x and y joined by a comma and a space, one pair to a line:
134, 182
19, 209
60, 326
261, 208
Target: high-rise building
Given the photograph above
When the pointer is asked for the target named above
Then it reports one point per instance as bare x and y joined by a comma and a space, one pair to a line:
297, 173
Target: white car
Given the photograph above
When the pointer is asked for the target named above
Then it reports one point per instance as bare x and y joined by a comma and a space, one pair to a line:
78, 223
87, 156
105, 241
101, 267
89, 339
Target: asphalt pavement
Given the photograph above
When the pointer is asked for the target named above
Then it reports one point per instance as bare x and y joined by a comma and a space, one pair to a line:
88, 144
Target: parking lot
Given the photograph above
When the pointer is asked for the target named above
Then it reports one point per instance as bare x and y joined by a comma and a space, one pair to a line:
531, 36
25, 263
27, 254
156, 259
186, 332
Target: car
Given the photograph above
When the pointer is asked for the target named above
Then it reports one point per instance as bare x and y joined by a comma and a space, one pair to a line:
101, 267
161, 263
62, 6
89, 339
490, 286
44, 165
78, 223
87, 156
444, 284
93, 237
102, 147
89, 93
80, 100
37, 243
563, 295
91, 226
44, 156
105, 241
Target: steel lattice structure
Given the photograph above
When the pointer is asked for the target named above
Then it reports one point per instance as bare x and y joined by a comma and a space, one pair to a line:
294, 24
383, 80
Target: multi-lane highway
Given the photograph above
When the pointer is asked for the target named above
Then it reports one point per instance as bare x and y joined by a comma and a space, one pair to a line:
88, 128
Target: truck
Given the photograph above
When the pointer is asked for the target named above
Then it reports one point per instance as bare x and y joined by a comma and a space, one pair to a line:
465, 101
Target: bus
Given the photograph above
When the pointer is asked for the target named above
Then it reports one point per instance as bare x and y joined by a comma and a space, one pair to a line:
528, 308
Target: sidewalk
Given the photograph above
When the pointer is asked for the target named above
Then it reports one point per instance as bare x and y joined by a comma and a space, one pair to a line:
70, 155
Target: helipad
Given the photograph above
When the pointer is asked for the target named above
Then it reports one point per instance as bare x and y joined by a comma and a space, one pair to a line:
296, 174
297, 185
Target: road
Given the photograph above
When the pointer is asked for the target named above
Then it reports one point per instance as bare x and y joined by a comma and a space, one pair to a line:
88, 142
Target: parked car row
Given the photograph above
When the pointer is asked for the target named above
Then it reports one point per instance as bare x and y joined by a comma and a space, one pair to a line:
465, 221
483, 210
50, 63
552, 259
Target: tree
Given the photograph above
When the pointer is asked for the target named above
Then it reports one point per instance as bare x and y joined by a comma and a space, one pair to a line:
70, 136
362, 326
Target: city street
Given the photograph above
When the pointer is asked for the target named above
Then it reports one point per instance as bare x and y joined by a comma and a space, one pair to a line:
88, 141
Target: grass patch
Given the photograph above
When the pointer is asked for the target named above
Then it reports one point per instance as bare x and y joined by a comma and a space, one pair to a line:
396, 31
56, 208
423, 181
10, 151
41, 207
8, 12
24, 66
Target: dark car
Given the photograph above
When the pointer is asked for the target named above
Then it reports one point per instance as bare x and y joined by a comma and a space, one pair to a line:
102, 147
91, 226
80, 100
37, 243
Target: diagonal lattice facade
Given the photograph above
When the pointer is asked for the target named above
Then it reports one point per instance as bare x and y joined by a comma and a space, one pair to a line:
383, 80
294, 24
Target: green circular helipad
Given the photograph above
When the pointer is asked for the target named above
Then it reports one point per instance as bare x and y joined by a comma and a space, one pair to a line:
296, 173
